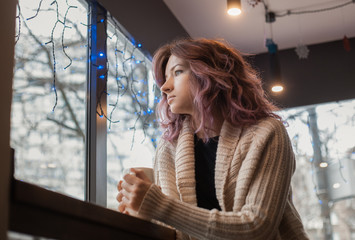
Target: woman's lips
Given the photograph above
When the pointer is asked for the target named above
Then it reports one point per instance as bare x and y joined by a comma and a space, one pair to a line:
170, 99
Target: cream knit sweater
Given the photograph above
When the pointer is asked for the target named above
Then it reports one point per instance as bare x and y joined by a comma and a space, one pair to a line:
253, 171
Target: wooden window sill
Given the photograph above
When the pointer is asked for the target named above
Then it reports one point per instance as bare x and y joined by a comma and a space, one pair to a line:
40, 212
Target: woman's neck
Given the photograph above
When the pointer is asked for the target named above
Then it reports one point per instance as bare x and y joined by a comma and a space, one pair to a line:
212, 131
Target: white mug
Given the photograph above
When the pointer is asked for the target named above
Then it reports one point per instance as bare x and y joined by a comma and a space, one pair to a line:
149, 172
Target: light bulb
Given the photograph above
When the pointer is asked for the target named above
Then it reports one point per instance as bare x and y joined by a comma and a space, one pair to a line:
234, 11
323, 164
277, 88
234, 7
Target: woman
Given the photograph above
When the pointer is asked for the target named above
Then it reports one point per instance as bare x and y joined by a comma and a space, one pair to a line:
223, 167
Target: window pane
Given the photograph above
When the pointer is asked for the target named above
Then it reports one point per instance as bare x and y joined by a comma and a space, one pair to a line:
49, 95
131, 100
334, 125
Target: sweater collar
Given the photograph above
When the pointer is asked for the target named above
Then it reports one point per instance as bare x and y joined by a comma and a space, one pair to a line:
185, 161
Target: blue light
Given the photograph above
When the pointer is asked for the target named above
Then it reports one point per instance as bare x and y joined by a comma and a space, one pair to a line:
139, 45
100, 67
138, 61
102, 20
101, 54
102, 76
101, 116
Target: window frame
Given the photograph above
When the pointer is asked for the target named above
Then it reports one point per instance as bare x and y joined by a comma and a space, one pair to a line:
41, 212
96, 126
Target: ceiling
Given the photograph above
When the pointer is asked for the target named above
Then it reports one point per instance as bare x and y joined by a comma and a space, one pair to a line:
248, 31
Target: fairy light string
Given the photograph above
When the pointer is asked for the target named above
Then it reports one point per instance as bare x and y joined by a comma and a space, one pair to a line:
126, 62
63, 32
52, 41
18, 17
289, 12
294, 12
126, 83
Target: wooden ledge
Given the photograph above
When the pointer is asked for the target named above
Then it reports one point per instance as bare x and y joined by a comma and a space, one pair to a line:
41, 212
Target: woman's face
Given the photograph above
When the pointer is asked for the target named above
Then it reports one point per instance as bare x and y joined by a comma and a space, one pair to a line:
177, 86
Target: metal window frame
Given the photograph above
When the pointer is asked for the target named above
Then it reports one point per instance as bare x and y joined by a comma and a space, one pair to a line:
96, 125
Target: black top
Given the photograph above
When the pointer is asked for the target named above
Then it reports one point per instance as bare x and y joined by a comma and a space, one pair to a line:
205, 161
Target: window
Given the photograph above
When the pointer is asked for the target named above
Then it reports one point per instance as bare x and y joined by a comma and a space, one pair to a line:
324, 182
49, 95
59, 118
132, 130
59, 90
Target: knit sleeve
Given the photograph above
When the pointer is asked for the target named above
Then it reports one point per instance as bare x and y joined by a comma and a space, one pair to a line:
269, 162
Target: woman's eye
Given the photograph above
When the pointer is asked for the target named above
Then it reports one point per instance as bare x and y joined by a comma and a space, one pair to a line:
178, 72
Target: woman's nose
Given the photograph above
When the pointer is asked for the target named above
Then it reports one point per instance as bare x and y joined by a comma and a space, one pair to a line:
166, 87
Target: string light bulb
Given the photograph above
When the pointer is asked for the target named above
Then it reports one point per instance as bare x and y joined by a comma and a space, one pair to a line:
277, 88
234, 7
323, 164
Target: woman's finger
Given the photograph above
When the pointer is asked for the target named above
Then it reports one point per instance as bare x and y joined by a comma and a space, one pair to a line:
126, 194
126, 202
127, 186
131, 179
119, 185
140, 174
119, 196
121, 207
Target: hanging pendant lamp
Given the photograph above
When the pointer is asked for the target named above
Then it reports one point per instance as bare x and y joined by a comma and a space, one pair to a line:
234, 7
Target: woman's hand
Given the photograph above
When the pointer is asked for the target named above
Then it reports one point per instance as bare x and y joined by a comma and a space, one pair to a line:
132, 190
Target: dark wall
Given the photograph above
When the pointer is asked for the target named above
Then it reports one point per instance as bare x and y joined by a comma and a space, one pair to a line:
150, 22
7, 42
327, 75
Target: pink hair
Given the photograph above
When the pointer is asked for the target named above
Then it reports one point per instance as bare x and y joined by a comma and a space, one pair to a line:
221, 79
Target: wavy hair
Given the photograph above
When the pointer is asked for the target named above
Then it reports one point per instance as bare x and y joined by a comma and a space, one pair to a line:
220, 80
